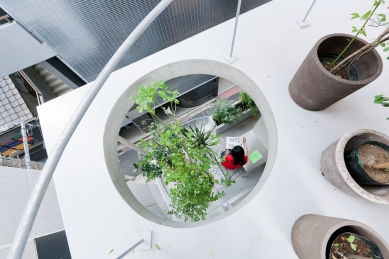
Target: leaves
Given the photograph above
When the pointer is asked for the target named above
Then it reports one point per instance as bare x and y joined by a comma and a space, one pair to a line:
380, 99
386, 49
157, 247
110, 252
224, 112
336, 244
351, 238
354, 247
163, 95
366, 15
182, 155
355, 15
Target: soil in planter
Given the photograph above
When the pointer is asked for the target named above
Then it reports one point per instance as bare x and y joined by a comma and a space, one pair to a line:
348, 73
371, 154
242, 107
341, 248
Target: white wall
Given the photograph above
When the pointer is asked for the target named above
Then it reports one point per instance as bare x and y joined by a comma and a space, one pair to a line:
16, 186
18, 49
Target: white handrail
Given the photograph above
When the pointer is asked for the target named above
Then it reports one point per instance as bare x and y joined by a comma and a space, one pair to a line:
31, 210
130, 249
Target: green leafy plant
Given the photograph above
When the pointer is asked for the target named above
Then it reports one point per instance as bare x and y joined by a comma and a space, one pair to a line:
382, 100
351, 240
247, 102
182, 156
224, 112
381, 40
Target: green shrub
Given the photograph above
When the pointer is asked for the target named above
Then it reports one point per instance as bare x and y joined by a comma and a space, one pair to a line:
183, 156
246, 102
224, 112
383, 100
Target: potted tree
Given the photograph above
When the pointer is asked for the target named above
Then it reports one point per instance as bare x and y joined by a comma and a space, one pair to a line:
338, 65
321, 237
182, 156
336, 167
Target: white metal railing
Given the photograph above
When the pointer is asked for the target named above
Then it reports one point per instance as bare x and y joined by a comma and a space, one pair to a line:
130, 249
31, 210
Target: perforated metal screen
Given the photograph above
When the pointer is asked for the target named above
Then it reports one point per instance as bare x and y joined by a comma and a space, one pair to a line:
86, 33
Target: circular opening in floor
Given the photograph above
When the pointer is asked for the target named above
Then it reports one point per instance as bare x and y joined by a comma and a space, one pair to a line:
199, 83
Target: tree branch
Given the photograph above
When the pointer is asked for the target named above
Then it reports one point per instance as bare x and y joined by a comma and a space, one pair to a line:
347, 60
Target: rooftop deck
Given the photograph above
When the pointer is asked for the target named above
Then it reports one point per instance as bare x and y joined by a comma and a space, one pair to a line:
270, 48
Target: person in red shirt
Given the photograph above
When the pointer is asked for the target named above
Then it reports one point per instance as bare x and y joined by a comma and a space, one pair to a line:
236, 157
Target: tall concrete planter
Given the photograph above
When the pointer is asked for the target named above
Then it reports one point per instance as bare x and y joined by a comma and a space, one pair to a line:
311, 234
335, 171
314, 88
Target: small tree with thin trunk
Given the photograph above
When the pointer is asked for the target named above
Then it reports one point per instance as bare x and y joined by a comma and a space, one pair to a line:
376, 20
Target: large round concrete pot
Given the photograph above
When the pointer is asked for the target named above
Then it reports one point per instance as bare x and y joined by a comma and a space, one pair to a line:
335, 171
314, 88
312, 233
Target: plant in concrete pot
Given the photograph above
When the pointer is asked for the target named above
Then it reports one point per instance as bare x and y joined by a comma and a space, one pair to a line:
352, 246
338, 65
341, 165
224, 112
182, 156
368, 163
246, 102
313, 236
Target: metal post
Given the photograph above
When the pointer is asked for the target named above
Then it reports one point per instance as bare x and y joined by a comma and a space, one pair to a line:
27, 161
236, 25
29, 214
130, 249
310, 8
303, 24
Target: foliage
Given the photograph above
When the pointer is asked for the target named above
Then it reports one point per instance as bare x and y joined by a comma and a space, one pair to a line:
383, 100
181, 156
377, 20
351, 240
247, 102
224, 112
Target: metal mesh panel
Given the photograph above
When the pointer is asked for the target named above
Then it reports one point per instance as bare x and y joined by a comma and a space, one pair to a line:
86, 33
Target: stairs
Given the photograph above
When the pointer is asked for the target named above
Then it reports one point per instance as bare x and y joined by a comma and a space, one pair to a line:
55, 85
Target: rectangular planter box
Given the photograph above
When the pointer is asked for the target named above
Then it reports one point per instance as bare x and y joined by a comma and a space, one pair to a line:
224, 127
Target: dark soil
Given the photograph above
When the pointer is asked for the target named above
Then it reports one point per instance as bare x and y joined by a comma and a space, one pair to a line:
327, 63
242, 107
341, 248
371, 154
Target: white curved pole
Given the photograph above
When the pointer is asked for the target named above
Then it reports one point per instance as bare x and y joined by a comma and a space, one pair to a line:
29, 214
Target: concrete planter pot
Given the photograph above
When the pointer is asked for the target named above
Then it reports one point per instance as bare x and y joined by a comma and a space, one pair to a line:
314, 88
224, 127
311, 235
335, 171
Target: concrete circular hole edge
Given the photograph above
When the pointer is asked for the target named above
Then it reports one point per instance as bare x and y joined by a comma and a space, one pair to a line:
335, 171
311, 233
166, 72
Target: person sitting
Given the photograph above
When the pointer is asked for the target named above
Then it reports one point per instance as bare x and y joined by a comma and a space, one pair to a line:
236, 157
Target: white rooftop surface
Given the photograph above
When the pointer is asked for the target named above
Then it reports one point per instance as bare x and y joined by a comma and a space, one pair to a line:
270, 48
12, 106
